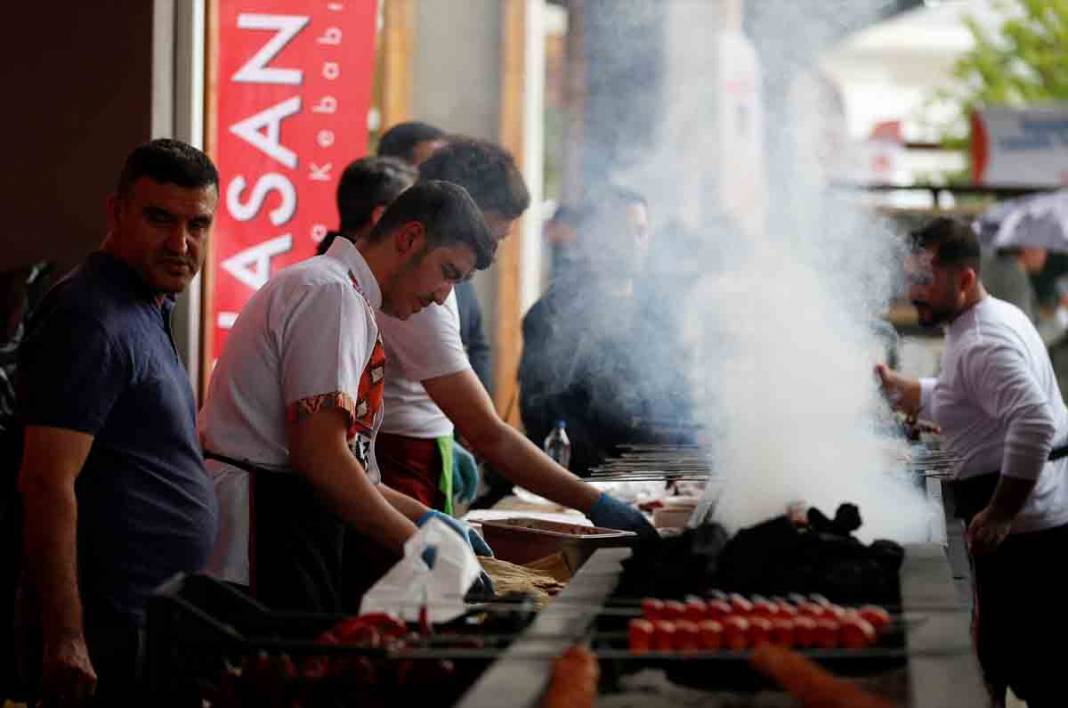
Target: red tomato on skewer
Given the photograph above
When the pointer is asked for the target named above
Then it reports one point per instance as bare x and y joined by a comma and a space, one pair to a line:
782, 632
735, 632
877, 617
687, 636
640, 635
740, 605
759, 631
804, 631
674, 610
719, 610
856, 633
711, 635
826, 633
663, 635
696, 610
652, 609
765, 608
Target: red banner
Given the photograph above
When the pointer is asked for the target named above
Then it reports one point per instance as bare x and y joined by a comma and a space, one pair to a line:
293, 90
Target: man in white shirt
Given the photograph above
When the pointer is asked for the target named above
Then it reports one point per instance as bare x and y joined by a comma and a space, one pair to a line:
1002, 414
430, 386
295, 401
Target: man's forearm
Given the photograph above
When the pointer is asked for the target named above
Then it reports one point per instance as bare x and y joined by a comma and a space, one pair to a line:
344, 485
467, 405
50, 530
413, 509
1010, 496
524, 464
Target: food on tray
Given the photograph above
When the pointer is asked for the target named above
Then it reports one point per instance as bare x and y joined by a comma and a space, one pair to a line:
553, 565
511, 578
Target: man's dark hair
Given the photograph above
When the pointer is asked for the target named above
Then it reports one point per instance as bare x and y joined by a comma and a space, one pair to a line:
400, 140
168, 161
449, 215
486, 170
952, 241
368, 183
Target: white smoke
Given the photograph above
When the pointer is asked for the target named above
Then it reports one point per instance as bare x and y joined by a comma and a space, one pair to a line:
780, 324
790, 401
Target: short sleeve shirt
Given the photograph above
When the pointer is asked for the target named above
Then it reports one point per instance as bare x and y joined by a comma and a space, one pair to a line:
425, 346
307, 340
99, 359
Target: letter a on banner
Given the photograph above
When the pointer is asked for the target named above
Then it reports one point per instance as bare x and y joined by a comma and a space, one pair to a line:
264, 131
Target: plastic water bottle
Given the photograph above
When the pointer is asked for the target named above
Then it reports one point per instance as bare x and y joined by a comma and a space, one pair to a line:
557, 446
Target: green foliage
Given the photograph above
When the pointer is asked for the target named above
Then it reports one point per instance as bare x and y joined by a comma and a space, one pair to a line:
1023, 62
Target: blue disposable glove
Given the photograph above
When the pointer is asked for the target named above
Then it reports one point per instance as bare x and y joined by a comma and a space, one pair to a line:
478, 545
464, 474
482, 589
610, 513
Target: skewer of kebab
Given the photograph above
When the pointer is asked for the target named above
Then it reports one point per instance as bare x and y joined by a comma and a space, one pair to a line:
812, 685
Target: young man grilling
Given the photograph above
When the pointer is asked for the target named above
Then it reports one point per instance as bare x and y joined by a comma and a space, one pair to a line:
295, 401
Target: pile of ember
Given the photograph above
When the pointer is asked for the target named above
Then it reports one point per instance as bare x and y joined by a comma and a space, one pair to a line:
777, 557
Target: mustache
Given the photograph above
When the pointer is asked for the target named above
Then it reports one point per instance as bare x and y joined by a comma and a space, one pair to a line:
189, 262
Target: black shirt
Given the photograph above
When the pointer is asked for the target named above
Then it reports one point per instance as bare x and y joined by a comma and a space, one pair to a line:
610, 366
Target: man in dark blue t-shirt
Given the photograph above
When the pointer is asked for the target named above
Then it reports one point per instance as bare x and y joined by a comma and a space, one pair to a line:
115, 495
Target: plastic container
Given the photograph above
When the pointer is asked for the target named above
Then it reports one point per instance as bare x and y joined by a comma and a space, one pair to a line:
522, 540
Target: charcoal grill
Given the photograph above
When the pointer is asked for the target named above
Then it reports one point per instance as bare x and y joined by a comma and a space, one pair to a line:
934, 650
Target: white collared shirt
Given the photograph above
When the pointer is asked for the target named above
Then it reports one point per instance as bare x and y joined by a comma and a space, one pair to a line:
425, 346
999, 407
306, 340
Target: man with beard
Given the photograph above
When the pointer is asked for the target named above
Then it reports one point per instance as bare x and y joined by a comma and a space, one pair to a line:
1002, 416
114, 492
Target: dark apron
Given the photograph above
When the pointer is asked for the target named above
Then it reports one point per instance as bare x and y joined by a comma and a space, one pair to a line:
970, 496
411, 466
295, 541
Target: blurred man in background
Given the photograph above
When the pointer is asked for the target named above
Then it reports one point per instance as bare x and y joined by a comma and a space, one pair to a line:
595, 352
366, 188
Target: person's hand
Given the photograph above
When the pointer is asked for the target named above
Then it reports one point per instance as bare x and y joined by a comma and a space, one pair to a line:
477, 543
465, 475
610, 513
986, 531
68, 678
902, 392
